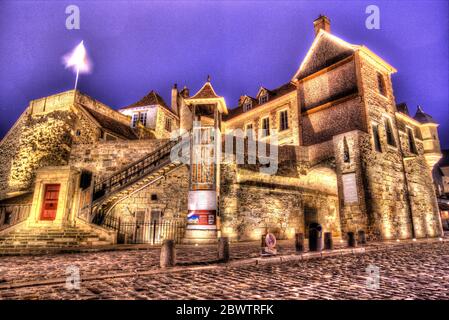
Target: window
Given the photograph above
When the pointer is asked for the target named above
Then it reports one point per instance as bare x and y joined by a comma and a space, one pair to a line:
143, 118
283, 119
8, 217
154, 197
78, 132
381, 84
249, 130
411, 141
247, 106
389, 132
135, 119
265, 127
168, 123
376, 138
263, 98
346, 157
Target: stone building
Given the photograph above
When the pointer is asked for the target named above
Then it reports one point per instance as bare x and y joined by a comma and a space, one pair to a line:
347, 157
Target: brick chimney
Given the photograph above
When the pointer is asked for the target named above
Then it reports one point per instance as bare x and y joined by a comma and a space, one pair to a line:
322, 22
174, 99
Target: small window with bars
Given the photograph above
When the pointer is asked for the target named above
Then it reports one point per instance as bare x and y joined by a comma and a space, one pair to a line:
389, 132
283, 119
265, 127
168, 124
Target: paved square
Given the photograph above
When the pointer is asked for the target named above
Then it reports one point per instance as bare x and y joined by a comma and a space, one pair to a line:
420, 271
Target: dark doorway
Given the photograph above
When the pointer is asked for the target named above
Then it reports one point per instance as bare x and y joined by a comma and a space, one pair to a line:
310, 216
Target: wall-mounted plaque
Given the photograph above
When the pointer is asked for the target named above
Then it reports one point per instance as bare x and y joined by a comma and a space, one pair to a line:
350, 188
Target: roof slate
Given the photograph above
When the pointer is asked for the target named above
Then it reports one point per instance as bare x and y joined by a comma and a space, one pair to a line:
113, 125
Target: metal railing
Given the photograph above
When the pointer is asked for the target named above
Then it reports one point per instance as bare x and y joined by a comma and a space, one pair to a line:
149, 232
11, 215
134, 171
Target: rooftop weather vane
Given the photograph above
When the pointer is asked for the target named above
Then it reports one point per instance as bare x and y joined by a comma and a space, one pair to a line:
78, 61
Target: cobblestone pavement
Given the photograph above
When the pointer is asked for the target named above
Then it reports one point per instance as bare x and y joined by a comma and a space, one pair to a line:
420, 271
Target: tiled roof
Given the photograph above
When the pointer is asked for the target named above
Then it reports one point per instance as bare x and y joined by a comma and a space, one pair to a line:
113, 125
275, 93
206, 92
152, 98
423, 117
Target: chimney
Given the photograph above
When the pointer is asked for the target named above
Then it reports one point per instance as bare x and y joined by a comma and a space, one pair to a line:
174, 99
322, 22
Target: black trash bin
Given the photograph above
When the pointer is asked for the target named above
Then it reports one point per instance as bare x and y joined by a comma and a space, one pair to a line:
315, 237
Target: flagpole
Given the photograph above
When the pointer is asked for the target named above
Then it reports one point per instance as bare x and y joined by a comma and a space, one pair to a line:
77, 74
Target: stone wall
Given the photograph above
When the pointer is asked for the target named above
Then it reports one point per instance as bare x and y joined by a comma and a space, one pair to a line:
8, 150
322, 125
171, 199
252, 203
105, 157
388, 193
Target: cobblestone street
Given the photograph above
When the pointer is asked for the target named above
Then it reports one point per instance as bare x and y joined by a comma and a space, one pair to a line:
418, 271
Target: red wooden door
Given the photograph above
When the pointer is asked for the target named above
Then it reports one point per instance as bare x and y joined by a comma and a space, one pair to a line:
50, 204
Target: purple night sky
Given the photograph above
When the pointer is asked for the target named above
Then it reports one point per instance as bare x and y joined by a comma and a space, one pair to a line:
139, 46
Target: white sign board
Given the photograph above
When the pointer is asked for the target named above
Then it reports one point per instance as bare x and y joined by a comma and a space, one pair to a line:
202, 200
350, 188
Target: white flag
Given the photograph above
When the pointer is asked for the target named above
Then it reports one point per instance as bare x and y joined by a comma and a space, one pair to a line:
77, 59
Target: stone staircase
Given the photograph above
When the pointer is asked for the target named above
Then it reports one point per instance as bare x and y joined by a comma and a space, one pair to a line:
40, 240
132, 178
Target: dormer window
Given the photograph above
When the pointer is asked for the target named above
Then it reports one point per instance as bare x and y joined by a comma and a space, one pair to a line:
263, 98
143, 118
134, 120
247, 106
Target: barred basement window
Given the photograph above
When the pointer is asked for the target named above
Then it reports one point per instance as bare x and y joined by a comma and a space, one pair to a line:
411, 141
381, 84
265, 127
389, 133
376, 138
143, 118
168, 124
283, 118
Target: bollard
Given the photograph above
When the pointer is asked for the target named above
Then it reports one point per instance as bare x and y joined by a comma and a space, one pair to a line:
168, 254
299, 242
352, 242
223, 249
362, 237
328, 242
315, 237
